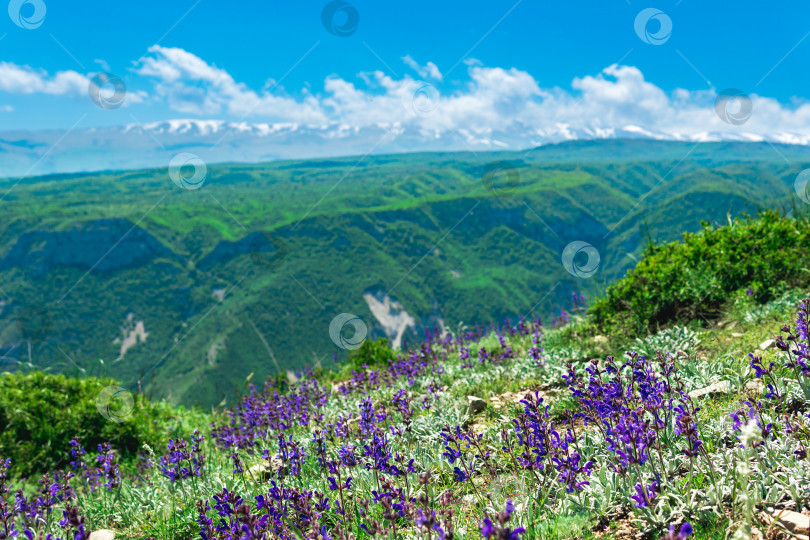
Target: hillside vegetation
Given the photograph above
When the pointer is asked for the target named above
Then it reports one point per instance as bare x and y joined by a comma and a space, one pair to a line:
517, 432
188, 292
40, 414
698, 276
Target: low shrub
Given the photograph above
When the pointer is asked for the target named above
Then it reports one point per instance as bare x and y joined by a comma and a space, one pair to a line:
40, 413
373, 353
695, 278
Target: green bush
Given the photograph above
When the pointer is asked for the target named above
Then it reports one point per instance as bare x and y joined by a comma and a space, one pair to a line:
373, 353
695, 278
41, 413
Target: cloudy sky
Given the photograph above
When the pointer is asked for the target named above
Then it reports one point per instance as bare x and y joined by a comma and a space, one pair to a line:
471, 68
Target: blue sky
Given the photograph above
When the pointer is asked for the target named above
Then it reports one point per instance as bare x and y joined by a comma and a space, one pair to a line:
713, 46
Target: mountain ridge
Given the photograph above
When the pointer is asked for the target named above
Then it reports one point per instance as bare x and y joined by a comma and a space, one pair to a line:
154, 144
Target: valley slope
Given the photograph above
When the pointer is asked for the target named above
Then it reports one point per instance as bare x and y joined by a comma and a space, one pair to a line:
190, 291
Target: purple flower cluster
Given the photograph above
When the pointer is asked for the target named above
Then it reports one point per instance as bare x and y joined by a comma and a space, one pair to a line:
29, 516
796, 345
751, 411
540, 445
457, 443
261, 413
183, 460
282, 512
640, 407
498, 529
684, 532
645, 495
105, 472
366, 439
536, 350
286, 511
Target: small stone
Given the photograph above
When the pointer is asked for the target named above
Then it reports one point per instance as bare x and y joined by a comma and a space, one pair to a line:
737, 334
767, 344
264, 472
600, 339
755, 386
721, 387
476, 405
102, 534
793, 522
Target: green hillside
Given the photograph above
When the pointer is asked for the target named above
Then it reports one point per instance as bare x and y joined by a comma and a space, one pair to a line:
244, 275
698, 429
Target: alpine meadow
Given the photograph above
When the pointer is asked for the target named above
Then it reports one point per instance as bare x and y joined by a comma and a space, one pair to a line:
341, 270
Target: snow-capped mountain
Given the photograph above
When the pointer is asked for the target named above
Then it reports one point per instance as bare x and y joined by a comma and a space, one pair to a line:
134, 146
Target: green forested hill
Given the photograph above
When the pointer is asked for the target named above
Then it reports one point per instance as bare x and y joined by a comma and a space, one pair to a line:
245, 274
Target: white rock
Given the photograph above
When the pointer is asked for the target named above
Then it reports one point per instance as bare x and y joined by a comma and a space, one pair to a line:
795, 523
102, 534
263, 471
767, 344
721, 387
755, 386
600, 339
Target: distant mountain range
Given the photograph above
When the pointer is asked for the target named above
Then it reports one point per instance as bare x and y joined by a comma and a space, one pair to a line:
26, 153
186, 292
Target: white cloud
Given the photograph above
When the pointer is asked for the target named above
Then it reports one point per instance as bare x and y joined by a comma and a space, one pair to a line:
6, 108
190, 85
428, 71
16, 79
103, 64
496, 107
